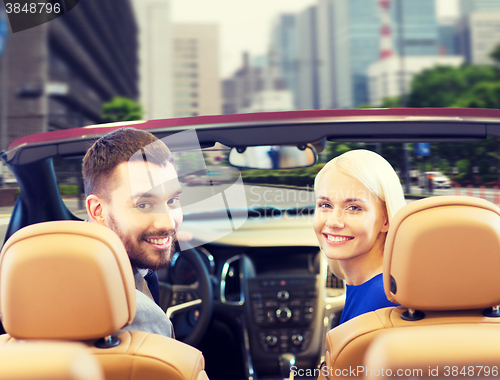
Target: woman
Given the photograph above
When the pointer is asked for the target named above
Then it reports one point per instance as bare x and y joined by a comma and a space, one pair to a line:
357, 194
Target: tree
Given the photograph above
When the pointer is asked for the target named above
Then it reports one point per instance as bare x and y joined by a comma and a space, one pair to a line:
481, 95
441, 86
121, 109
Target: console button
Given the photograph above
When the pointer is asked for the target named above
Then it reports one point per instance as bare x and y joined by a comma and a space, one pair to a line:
271, 340
283, 295
283, 314
297, 339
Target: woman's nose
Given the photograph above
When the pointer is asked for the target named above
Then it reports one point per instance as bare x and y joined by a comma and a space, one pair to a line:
335, 219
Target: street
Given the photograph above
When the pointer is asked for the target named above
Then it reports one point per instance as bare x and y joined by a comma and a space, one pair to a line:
208, 198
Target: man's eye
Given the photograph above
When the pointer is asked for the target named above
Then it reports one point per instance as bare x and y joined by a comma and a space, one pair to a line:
144, 206
173, 201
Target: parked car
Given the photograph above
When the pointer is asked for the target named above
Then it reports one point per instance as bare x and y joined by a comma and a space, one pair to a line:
438, 180
274, 298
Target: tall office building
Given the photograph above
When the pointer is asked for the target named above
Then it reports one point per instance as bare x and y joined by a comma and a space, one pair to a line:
449, 43
468, 6
479, 29
196, 80
155, 57
283, 54
482, 35
256, 87
349, 41
307, 60
419, 32
57, 75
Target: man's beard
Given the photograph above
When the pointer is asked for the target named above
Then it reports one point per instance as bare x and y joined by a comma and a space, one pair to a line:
138, 257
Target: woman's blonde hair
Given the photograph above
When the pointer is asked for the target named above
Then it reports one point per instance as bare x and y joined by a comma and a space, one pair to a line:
374, 172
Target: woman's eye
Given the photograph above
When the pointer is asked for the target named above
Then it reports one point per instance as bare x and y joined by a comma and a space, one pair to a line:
354, 208
323, 205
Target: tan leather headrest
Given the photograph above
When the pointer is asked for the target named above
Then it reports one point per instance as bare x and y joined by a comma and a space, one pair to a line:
430, 352
48, 361
65, 280
443, 253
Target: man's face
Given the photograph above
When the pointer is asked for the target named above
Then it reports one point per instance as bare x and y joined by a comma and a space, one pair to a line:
145, 212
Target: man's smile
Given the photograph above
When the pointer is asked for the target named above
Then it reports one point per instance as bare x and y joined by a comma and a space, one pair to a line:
160, 243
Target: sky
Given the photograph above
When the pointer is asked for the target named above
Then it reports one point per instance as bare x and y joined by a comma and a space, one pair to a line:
246, 25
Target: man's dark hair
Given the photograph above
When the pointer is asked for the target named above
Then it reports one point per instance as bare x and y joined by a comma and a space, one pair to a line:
114, 148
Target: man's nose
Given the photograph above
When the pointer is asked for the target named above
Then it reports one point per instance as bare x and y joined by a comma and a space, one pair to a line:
164, 220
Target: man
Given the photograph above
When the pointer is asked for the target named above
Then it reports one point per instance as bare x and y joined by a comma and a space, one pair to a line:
131, 186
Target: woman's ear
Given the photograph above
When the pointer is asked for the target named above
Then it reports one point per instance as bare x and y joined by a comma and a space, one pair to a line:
95, 209
385, 226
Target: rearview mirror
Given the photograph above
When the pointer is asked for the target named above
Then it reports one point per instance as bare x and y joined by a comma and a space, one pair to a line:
273, 157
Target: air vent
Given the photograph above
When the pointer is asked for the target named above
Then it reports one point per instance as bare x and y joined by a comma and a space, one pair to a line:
334, 285
231, 286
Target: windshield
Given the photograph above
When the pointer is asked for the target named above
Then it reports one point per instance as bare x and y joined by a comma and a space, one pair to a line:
446, 169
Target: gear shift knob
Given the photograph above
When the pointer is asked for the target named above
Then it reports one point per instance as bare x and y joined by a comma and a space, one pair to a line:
286, 361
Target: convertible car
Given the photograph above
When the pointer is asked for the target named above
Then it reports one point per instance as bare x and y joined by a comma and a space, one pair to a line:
248, 285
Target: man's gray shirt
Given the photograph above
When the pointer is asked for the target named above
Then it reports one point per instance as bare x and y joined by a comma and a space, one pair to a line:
150, 317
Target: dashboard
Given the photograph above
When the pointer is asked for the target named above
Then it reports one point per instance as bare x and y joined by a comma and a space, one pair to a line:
274, 297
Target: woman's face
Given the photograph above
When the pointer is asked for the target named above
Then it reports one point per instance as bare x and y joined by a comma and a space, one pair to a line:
348, 217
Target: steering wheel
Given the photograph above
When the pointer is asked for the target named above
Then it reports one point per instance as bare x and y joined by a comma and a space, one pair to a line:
190, 306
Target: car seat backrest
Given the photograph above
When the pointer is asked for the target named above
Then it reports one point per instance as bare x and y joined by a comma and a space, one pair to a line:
443, 253
48, 361
55, 272
427, 352
72, 281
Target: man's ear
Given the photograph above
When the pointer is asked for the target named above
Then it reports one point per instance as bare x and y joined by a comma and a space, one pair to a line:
95, 209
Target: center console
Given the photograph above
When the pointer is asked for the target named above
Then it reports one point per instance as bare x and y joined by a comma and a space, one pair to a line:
282, 310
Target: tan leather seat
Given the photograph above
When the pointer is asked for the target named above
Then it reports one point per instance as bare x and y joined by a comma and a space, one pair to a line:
425, 352
441, 262
72, 281
48, 361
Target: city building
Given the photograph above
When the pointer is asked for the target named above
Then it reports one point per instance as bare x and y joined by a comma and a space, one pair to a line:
307, 94
155, 57
283, 51
484, 36
353, 34
239, 90
449, 43
58, 75
478, 29
414, 27
384, 75
270, 101
467, 7
196, 80
479, 35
